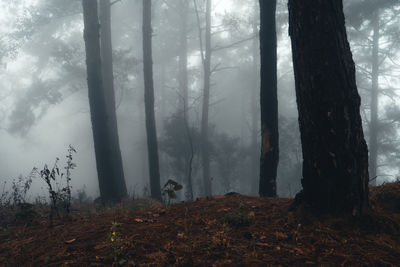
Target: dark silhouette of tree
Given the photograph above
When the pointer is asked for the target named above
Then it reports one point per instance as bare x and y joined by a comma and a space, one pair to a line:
268, 100
152, 146
108, 82
335, 156
109, 187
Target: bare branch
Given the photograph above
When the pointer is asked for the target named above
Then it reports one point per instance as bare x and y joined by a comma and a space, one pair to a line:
114, 2
217, 48
200, 31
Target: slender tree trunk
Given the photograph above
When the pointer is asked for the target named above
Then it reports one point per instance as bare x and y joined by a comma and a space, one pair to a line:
189, 163
373, 130
254, 105
108, 78
268, 100
109, 187
205, 153
152, 145
183, 74
163, 102
184, 91
335, 155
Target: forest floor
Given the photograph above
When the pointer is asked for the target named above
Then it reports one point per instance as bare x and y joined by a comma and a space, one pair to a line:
233, 230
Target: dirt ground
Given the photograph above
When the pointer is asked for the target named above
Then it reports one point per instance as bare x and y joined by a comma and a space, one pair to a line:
233, 230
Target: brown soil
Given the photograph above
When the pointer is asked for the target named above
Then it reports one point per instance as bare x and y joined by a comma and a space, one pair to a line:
230, 230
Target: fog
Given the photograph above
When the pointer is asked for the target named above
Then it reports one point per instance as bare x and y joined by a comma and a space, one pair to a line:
44, 104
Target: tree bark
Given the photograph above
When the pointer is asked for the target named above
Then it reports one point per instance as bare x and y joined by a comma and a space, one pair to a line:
109, 187
335, 155
205, 153
373, 130
108, 78
268, 100
154, 170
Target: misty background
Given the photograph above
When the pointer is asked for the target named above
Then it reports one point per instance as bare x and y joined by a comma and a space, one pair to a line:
44, 103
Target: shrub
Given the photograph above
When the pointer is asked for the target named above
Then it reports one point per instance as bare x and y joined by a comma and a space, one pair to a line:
60, 198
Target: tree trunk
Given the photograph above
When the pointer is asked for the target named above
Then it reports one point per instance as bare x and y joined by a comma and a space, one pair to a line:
335, 155
184, 94
108, 78
254, 157
373, 130
109, 187
151, 131
205, 153
183, 74
268, 100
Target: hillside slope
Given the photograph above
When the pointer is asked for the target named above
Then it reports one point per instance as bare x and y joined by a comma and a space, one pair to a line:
232, 230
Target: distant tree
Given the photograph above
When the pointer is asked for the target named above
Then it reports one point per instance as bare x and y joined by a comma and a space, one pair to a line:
290, 162
255, 106
374, 31
226, 156
109, 187
108, 78
152, 146
206, 62
335, 155
180, 142
268, 100
183, 58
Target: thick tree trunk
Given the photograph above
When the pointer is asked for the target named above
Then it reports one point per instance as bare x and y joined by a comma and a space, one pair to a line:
152, 145
205, 153
373, 130
268, 100
109, 187
335, 155
254, 157
108, 78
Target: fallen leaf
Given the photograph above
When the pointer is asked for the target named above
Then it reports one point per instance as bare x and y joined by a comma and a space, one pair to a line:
70, 241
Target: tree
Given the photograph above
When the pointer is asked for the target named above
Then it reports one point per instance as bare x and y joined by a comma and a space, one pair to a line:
205, 154
254, 157
268, 100
372, 25
180, 142
108, 82
184, 91
335, 156
152, 146
206, 61
183, 58
109, 188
